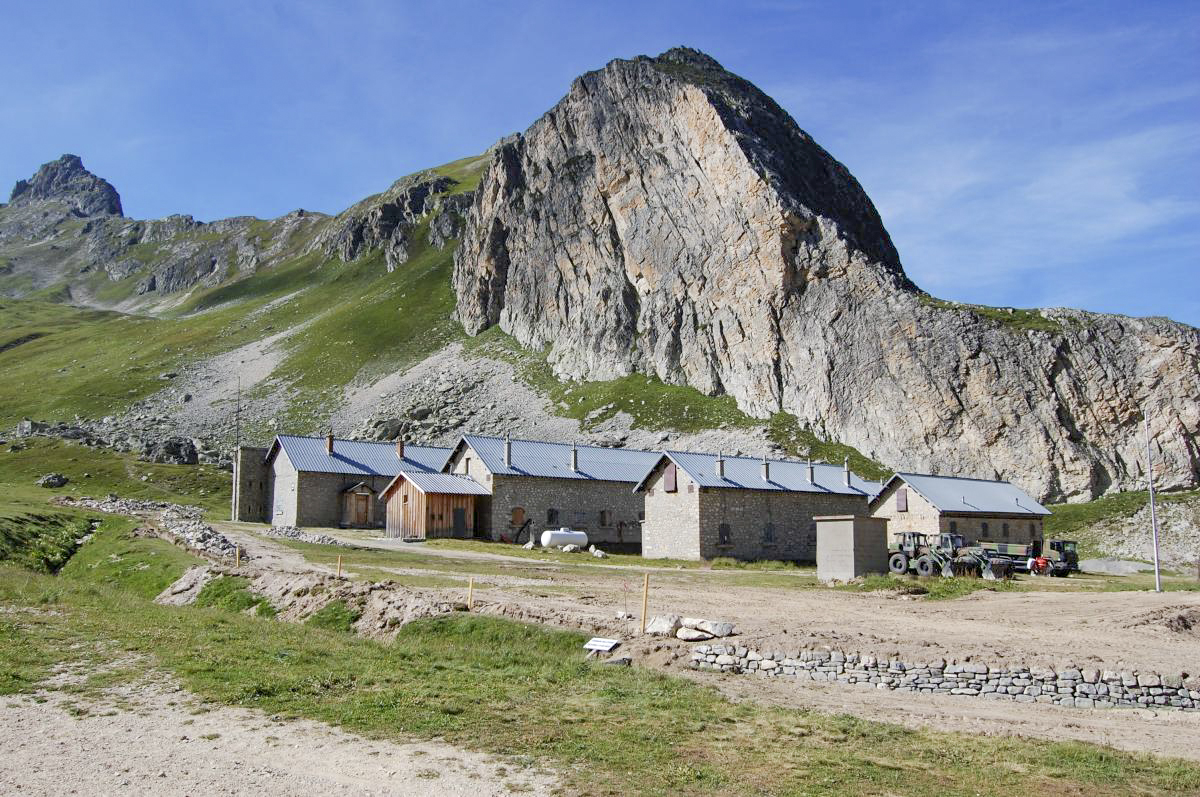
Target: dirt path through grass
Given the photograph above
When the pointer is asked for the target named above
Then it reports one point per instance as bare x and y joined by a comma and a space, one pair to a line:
150, 737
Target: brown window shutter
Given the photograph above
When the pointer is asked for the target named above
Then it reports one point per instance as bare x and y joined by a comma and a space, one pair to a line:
670, 483
902, 500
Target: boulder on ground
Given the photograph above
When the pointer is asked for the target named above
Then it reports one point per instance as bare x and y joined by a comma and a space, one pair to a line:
599, 554
693, 635
52, 480
570, 548
663, 625
529, 546
711, 627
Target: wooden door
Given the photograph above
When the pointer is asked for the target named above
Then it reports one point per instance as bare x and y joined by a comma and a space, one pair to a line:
460, 521
361, 504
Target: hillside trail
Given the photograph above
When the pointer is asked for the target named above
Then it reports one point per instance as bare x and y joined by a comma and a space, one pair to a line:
151, 737
1118, 627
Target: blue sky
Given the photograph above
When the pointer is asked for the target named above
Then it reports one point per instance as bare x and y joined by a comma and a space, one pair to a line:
1039, 154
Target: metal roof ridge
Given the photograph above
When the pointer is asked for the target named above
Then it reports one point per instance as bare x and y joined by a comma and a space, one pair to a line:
555, 443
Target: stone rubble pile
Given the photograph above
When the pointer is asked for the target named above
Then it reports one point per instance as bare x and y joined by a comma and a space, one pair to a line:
184, 523
1066, 686
136, 434
293, 533
689, 629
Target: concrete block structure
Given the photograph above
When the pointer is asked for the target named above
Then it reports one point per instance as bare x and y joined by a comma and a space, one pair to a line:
703, 506
533, 486
979, 509
323, 482
850, 546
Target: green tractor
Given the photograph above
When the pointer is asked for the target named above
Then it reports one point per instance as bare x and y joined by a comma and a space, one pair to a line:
946, 554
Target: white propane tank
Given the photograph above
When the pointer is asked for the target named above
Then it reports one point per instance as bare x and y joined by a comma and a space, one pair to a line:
556, 538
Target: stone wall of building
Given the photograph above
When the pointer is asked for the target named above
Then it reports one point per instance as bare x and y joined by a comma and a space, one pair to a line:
921, 515
282, 495
749, 513
609, 512
250, 500
577, 502
672, 519
1066, 686
321, 503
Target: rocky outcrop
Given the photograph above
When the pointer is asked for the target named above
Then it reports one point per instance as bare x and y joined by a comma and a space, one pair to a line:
385, 221
66, 180
668, 217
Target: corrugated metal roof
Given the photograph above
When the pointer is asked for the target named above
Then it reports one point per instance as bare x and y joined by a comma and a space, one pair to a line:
975, 496
358, 457
553, 460
785, 475
452, 483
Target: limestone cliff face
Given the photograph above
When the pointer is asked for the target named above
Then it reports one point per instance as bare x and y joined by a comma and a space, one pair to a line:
668, 217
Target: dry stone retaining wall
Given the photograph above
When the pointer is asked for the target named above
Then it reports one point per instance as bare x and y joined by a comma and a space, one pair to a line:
1067, 686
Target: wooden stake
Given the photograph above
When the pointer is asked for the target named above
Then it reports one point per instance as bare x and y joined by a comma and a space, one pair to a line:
339, 565
237, 557
645, 600
470, 593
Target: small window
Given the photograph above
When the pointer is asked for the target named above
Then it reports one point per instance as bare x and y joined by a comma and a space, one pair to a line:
723, 534
551, 517
670, 478
769, 534
466, 465
983, 527
691, 487
605, 517
902, 499
953, 526
1004, 530
518, 516
404, 499
581, 519
642, 515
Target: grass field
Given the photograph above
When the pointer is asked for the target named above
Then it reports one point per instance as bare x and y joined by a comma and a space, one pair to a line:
512, 689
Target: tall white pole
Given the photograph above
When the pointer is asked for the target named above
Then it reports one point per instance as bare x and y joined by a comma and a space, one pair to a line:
1153, 510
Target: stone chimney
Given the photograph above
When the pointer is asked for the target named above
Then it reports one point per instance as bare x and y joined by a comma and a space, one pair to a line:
720, 466
811, 474
846, 471
399, 448
574, 459
507, 452
329, 443
766, 470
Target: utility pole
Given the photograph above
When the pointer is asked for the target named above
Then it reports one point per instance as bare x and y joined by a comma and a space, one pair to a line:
237, 447
1153, 510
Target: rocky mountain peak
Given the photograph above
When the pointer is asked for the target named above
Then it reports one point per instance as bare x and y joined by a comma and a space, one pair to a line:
66, 180
667, 217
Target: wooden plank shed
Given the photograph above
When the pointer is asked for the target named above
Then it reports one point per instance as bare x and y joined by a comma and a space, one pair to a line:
427, 505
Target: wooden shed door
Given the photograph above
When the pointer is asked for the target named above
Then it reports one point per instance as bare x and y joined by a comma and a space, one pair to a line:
360, 509
460, 521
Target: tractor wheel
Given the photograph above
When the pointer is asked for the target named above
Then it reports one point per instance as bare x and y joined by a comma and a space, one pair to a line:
926, 566
898, 563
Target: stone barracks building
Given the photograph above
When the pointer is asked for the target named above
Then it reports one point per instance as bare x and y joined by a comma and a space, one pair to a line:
315, 481
533, 486
978, 509
701, 506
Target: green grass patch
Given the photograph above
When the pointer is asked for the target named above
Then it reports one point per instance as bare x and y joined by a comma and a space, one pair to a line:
232, 594
143, 566
1074, 521
40, 541
466, 171
798, 441
334, 616
1012, 318
932, 588
98, 471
